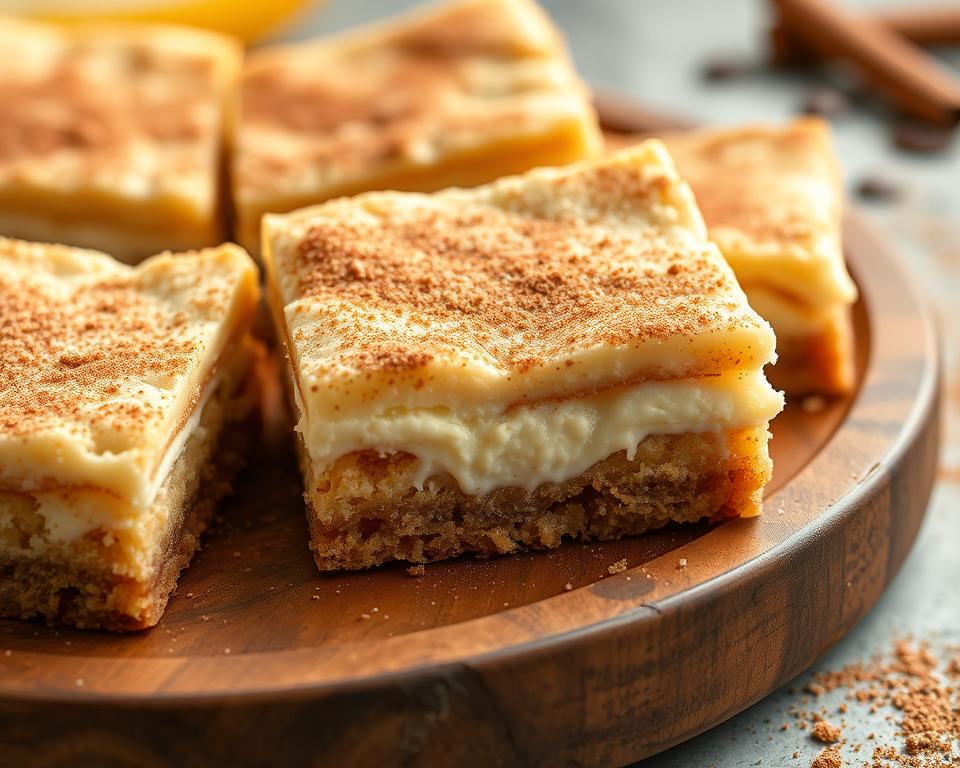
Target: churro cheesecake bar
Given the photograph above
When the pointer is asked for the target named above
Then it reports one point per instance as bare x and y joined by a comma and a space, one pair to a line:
559, 354
455, 95
125, 397
772, 200
111, 135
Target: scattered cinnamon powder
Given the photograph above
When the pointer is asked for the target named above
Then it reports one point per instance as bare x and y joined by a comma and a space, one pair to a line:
826, 733
406, 92
912, 688
59, 119
507, 277
79, 352
829, 758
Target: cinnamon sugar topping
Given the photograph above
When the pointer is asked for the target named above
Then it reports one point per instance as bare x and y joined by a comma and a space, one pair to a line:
332, 117
744, 159
516, 290
527, 273
130, 109
100, 358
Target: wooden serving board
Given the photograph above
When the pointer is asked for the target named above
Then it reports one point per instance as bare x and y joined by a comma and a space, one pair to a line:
534, 659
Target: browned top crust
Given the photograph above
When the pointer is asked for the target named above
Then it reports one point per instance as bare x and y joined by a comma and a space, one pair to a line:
733, 174
133, 110
532, 274
772, 200
318, 116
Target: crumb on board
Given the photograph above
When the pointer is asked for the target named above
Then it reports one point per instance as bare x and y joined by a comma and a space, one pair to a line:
416, 570
681, 563
618, 567
813, 404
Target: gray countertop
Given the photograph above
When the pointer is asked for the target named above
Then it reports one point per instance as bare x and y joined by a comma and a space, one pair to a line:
654, 50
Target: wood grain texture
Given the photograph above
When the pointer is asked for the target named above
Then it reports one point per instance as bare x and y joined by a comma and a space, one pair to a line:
262, 661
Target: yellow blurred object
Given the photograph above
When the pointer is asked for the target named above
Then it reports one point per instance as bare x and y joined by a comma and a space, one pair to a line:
247, 19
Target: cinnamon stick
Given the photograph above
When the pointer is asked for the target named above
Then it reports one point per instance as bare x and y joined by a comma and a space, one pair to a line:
931, 25
891, 64
924, 26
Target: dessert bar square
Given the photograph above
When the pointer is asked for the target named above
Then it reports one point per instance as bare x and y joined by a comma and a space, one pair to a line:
456, 95
126, 394
559, 354
112, 135
772, 200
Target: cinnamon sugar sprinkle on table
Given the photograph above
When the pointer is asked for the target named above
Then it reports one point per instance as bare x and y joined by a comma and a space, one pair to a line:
913, 689
824, 732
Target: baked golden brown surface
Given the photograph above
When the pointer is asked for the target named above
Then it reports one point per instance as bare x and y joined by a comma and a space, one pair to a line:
455, 95
111, 135
772, 201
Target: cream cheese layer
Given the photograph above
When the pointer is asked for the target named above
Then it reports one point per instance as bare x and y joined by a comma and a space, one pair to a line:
529, 445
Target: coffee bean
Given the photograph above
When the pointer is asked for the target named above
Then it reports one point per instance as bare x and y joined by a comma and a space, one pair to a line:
878, 188
725, 68
825, 102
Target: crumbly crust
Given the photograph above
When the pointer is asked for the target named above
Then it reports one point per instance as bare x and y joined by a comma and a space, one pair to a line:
363, 511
